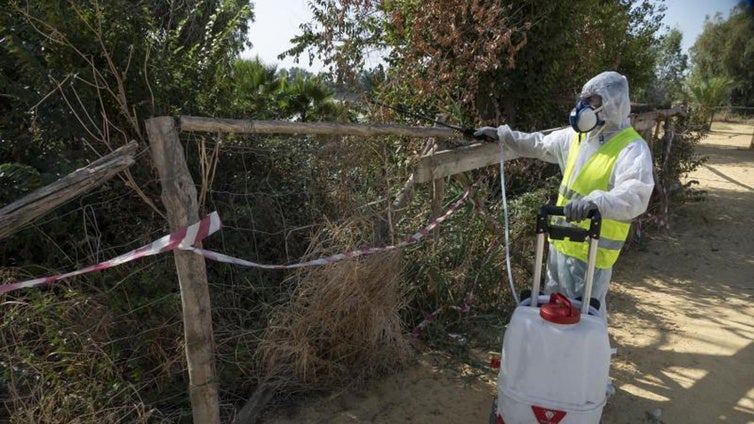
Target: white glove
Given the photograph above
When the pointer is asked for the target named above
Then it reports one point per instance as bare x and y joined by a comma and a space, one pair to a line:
489, 133
578, 210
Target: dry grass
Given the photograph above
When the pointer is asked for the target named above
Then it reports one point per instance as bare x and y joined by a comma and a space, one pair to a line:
55, 366
342, 323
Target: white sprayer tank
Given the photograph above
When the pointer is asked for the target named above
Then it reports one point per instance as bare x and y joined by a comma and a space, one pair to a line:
551, 372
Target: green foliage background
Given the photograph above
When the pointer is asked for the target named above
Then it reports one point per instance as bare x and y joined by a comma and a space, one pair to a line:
725, 50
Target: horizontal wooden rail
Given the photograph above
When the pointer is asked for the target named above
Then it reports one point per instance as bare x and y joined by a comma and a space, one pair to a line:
448, 162
194, 123
433, 166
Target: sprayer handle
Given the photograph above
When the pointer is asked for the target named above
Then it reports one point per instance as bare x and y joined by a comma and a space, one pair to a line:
558, 232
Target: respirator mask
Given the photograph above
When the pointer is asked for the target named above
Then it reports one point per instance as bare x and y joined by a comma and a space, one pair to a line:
585, 116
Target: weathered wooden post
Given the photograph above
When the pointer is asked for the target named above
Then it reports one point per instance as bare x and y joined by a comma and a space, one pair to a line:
38, 203
179, 198
438, 185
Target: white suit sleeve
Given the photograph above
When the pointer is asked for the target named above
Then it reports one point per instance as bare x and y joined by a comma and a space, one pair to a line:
551, 148
631, 184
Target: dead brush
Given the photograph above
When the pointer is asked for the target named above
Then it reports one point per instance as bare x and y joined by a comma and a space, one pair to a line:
56, 366
342, 323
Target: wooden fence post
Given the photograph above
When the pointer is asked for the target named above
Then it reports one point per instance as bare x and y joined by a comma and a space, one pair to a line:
438, 186
179, 198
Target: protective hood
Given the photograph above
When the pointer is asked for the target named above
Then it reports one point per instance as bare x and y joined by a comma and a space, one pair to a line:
613, 88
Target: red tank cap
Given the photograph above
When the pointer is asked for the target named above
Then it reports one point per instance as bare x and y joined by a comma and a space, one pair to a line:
559, 310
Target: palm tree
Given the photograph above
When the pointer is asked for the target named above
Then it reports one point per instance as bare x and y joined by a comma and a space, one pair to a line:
710, 93
308, 99
258, 91
254, 90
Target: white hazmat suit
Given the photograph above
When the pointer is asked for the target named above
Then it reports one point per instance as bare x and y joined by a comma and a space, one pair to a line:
629, 188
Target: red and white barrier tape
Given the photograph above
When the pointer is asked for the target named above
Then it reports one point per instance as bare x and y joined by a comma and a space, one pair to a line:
216, 256
184, 238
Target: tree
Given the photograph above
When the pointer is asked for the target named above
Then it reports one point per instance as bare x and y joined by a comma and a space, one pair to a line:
565, 49
305, 98
436, 47
251, 90
710, 93
726, 49
256, 91
74, 70
670, 71
488, 60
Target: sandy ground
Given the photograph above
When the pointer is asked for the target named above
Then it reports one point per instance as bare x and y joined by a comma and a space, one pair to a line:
681, 317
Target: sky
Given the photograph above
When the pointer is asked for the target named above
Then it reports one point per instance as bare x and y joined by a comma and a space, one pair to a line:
688, 16
277, 21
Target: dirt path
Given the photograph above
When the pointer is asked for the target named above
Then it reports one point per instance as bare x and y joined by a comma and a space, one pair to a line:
681, 317
683, 310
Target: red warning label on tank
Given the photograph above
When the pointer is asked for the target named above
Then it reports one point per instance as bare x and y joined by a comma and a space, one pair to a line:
547, 416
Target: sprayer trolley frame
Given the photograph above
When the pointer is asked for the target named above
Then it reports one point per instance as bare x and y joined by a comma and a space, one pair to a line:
539, 327
576, 234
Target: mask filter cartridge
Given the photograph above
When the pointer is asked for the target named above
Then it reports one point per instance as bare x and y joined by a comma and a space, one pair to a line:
584, 117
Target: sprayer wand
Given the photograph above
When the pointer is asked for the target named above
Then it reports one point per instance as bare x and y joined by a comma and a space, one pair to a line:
468, 133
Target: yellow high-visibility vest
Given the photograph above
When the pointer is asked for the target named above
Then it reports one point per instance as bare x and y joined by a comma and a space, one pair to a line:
595, 175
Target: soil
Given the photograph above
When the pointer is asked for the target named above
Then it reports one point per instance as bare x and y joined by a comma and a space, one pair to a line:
681, 315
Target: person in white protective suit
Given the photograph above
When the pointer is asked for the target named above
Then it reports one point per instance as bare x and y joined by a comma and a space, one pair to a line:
606, 166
